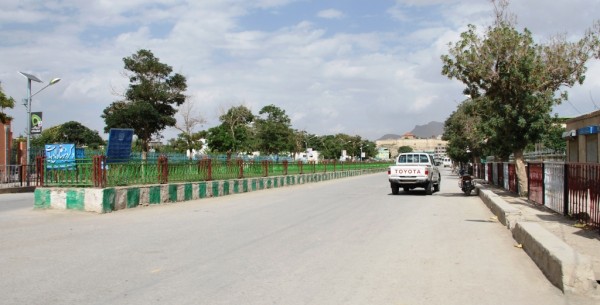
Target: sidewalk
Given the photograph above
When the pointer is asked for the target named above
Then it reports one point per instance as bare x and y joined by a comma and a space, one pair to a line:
583, 240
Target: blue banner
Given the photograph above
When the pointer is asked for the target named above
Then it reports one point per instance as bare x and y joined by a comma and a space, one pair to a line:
60, 156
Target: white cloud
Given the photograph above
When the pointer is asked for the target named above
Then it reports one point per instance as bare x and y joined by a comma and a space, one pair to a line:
330, 14
355, 80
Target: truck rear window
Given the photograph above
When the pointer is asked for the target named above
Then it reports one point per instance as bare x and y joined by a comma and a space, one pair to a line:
413, 158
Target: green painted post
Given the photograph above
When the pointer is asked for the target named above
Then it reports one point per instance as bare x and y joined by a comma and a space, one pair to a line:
245, 185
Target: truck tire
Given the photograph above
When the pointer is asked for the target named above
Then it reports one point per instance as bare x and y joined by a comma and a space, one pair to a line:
395, 189
428, 188
436, 187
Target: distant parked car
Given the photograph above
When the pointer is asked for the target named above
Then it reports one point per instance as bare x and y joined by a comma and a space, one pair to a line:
446, 162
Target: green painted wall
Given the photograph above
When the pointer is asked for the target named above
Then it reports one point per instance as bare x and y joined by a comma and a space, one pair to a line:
202, 190
41, 199
188, 192
133, 197
108, 200
215, 188
154, 195
225, 188
173, 192
75, 199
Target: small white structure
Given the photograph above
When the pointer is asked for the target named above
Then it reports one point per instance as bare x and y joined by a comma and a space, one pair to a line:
194, 154
309, 156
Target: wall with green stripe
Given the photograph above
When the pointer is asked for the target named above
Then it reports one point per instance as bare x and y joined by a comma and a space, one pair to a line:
119, 198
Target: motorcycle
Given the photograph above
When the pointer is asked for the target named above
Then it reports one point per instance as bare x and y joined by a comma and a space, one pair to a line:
466, 183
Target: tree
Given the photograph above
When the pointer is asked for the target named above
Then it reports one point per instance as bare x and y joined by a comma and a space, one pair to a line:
219, 140
331, 146
369, 148
186, 142
404, 149
513, 81
302, 141
190, 119
69, 132
273, 130
237, 121
355, 145
466, 142
235, 134
148, 105
5, 102
552, 139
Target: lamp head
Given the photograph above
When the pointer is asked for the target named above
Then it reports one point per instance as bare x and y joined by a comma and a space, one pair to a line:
54, 81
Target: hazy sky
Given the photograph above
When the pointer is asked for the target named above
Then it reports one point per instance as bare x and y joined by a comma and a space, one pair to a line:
363, 68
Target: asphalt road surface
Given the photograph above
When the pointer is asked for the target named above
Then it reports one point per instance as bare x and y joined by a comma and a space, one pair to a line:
341, 242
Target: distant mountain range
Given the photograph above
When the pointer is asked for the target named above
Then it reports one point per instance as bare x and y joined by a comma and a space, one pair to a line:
431, 129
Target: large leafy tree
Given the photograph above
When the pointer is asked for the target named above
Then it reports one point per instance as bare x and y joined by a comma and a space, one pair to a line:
235, 134
514, 81
355, 145
5, 102
466, 142
69, 132
552, 139
237, 121
273, 130
186, 142
331, 146
149, 103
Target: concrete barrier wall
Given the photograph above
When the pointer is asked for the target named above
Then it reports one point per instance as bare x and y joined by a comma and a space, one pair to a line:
561, 264
118, 198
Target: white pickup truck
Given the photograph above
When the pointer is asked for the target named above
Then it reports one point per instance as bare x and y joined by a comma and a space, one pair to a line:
414, 170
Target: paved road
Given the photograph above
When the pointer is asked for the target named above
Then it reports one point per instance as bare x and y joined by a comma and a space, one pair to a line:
346, 241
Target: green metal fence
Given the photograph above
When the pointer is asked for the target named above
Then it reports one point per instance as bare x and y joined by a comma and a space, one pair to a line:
97, 172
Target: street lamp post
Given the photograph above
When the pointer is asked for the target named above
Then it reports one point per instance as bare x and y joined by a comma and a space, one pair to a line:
361, 153
27, 104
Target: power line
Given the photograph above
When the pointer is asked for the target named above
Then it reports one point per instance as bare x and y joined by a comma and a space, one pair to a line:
574, 106
592, 99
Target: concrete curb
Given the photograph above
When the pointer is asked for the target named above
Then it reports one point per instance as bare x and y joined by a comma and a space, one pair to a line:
118, 198
507, 215
14, 190
568, 270
564, 267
